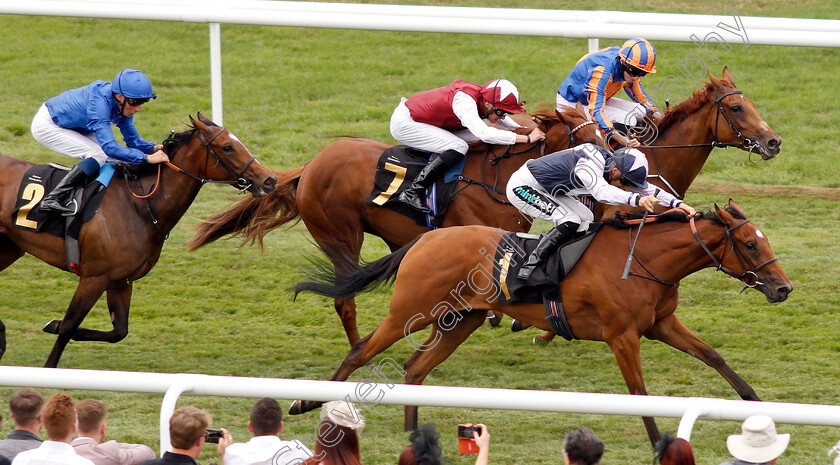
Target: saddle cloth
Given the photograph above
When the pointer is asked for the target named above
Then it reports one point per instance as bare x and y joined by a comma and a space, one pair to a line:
39, 181
397, 168
544, 283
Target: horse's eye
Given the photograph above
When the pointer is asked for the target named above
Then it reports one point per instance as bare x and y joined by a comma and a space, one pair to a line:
227, 148
736, 108
750, 245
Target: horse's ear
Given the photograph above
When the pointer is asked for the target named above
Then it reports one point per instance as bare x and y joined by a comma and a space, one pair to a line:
203, 118
734, 206
198, 123
724, 215
715, 81
727, 75
579, 107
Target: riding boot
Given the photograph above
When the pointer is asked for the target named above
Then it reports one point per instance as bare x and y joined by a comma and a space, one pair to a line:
413, 195
52, 202
548, 245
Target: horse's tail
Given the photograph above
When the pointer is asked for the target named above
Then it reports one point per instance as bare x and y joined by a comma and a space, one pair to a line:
354, 277
253, 217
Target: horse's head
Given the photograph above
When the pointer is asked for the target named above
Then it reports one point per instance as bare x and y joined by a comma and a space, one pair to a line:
232, 162
751, 259
736, 120
565, 129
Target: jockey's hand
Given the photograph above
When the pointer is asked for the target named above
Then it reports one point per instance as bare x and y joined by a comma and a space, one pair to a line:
537, 134
688, 209
158, 157
626, 141
158, 147
649, 202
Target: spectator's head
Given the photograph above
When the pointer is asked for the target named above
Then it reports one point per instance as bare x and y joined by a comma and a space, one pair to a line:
758, 441
582, 447
186, 428
425, 448
266, 418
674, 451
338, 440
59, 418
25, 407
91, 418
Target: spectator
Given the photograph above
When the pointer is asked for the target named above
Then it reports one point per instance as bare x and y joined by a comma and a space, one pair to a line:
3, 459
187, 428
338, 434
835, 450
25, 406
582, 447
265, 447
483, 442
424, 449
673, 451
89, 444
758, 443
59, 418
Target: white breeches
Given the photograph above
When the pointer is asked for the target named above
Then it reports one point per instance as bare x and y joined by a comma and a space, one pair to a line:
526, 194
423, 136
65, 141
617, 110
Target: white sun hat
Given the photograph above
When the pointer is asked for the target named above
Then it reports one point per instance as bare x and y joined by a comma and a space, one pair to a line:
343, 413
758, 441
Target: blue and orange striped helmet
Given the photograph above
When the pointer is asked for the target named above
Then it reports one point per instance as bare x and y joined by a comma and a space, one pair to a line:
639, 53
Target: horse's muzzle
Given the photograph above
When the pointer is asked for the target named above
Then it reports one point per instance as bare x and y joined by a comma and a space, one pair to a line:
261, 190
769, 147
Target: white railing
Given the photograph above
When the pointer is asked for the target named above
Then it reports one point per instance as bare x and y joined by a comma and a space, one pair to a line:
175, 385
749, 30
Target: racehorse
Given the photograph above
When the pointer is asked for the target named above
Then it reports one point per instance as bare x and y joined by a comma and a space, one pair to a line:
718, 115
328, 194
123, 241
446, 275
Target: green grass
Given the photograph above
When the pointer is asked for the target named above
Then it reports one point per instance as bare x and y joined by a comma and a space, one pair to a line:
226, 311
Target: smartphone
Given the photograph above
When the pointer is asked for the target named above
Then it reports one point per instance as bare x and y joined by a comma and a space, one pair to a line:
466, 440
465, 431
213, 435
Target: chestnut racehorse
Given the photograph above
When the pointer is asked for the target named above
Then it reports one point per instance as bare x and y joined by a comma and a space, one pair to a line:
445, 279
123, 240
329, 192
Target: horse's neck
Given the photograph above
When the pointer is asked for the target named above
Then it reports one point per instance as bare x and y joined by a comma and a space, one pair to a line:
175, 193
680, 166
672, 252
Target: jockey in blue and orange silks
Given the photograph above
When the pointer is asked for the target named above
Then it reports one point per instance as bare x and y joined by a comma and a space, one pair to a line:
599, 75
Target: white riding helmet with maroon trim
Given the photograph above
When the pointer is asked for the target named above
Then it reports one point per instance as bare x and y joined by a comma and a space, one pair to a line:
502, 94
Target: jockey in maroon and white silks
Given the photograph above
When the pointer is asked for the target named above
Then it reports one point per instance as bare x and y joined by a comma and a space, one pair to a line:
439, 120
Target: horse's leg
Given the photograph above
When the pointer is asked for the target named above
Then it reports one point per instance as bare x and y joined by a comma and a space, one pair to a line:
626, 347
9, 253
86, 295
421, 363
389, 331
673, 332
119, 300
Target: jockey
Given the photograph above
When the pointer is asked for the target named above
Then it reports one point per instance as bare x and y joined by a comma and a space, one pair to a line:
427, 120
546, 187
599, 75
77, 123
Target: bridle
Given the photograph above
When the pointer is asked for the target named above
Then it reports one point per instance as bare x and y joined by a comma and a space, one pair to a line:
749, 276
745, 142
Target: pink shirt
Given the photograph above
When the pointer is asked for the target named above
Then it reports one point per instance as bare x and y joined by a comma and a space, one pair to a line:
112, 452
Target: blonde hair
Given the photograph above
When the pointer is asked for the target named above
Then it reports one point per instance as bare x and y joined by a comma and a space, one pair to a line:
91, 414
187, 425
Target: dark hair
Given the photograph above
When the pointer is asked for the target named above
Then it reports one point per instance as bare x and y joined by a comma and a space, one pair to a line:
583, 447
425, 447
673, 451
266, 417
25, 405
339, 445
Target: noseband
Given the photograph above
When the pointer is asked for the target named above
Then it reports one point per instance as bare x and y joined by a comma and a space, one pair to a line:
749, 276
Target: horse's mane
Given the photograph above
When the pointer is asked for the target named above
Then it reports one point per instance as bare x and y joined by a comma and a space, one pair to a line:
619, 222
689, 106
171, 145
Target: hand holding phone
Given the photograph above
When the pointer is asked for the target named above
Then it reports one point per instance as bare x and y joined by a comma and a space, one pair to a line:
466, 438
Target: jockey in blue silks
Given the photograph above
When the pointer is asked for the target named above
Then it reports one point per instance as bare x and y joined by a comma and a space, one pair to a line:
77, 123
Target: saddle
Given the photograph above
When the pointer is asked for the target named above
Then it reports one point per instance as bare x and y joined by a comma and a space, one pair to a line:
397, 168
36, 183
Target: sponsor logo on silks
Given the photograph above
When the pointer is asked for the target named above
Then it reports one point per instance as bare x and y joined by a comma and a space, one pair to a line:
534, 199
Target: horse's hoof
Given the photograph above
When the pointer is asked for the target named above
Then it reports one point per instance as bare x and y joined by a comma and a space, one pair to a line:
494, 319
295, 408
52, 327
516, 326
540, 342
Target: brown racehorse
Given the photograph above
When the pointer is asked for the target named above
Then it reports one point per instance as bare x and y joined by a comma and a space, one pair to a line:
329, 193
123, 241
719, 115
446, 275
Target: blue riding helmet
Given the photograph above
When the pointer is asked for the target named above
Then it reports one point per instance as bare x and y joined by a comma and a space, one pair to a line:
132, 84
633, 165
